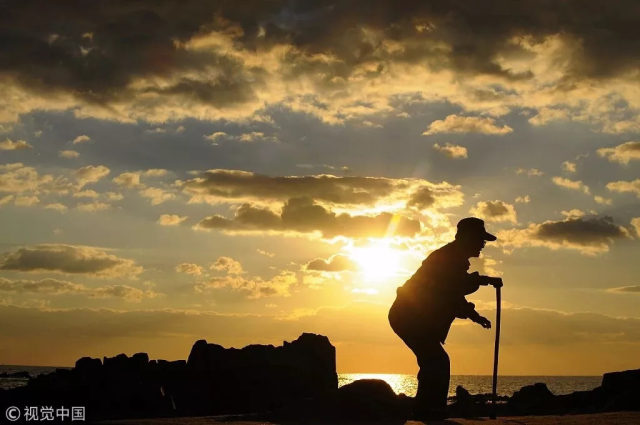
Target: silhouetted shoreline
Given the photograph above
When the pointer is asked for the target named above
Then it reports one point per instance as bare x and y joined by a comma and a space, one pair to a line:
293, 382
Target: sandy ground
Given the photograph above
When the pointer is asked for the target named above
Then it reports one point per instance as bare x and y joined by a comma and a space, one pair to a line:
613, 418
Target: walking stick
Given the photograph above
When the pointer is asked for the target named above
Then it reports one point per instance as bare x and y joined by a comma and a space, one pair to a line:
495, 356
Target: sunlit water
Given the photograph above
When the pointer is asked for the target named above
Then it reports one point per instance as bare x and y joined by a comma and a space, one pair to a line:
406, 384
477, 384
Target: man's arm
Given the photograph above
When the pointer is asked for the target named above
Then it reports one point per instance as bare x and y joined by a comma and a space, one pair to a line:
467, 310
496, 282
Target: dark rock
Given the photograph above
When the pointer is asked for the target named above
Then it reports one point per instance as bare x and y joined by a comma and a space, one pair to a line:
369, 399
260, 377
620, 382
532, 399
621, 390
467, 405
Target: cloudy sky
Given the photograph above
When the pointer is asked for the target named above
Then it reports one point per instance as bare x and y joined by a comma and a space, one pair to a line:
245, 171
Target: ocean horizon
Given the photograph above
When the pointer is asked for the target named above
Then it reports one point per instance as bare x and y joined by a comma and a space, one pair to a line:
400, 383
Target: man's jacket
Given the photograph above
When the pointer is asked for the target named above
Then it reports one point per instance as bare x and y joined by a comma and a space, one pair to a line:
434, 296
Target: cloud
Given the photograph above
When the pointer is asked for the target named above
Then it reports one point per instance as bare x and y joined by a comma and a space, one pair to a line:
189, 268
170, 219
336, 263
60, 287
128, 180
625, 186
127, 293
44, 286
253, 287
71, 259
215, 136
303, 215
623, 154
452, 151
114, 196
18, 178
26, 201
86, 194
573, 213
531, 172
218, 61
635, 222
155, 172
571, 184
228, 265
265, 253
255, 136
569, 166
588, 234
56, 206
241, 186
635, 289
460, 124
523, 199
156, 195
495, 211
90, 174
68, 154
93, 206
10, 145
602, 201
6, 199
83, 138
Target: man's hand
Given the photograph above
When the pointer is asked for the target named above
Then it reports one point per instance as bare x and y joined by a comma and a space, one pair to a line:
483, 321
496, 282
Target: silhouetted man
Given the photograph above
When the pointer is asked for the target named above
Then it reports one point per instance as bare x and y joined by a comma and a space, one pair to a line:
428, 303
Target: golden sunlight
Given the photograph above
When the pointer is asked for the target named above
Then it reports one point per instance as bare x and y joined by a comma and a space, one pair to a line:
378, 261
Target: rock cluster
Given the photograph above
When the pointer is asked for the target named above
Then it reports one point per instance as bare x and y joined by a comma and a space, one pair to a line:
214, 380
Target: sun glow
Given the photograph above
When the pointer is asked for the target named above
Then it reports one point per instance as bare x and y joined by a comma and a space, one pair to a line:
378, 261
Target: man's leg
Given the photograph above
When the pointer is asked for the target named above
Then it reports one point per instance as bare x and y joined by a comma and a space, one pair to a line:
433, 378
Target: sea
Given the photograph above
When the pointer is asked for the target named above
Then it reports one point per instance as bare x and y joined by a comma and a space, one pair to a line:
407, 384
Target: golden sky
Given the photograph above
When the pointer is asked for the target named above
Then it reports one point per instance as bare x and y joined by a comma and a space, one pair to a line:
246, 171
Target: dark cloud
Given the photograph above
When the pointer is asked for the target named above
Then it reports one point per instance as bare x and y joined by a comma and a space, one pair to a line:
581, 231
68, 259
44, 286
236, 186
495, 211
96, 50
233, 184
336, 263
588, 234
59, 287
635, 289
305, 216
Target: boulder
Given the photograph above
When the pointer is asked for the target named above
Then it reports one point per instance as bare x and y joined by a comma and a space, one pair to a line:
619, 382
532, 399
368, 399
621, 390
260, 377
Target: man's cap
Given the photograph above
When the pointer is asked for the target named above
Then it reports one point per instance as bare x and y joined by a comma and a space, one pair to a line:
472, 226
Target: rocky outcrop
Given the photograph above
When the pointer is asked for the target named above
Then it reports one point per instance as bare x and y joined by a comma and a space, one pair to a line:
532, 399
261, 377
256, 378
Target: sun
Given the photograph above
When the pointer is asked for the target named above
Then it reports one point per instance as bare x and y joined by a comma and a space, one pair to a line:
378, 261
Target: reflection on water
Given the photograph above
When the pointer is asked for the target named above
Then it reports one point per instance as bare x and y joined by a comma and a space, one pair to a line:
477, 384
